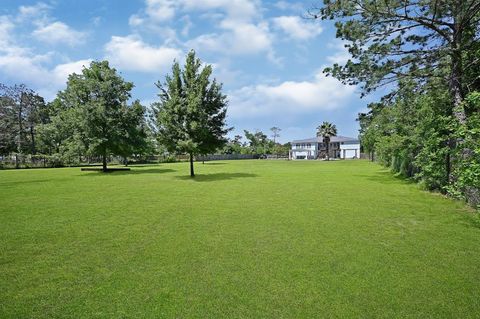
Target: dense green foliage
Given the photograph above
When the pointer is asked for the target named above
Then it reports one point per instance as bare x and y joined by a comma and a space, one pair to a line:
426, 52
244, 239
190, 116
96, 101
90, 117
257, 144
21, 111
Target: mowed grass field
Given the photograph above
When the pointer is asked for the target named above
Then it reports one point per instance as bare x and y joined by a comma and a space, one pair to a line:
244, 239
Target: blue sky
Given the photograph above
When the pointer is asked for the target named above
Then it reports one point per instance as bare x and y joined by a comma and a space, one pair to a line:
267, 56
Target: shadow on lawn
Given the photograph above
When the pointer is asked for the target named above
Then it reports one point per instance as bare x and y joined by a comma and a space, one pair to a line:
216, 177
133, 171
386, 177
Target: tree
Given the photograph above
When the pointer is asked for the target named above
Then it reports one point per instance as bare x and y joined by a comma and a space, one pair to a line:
138, 138
415, 39
275, 133
422, 42
234, 146
326, 131
191, 114
21, 109
7, 126
259, 142
98, 97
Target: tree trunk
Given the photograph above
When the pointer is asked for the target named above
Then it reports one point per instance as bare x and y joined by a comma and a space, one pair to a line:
104, 158
192, 173
32, 134
20, 129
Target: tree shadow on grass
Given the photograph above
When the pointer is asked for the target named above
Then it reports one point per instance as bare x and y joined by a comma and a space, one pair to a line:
131, 172
386, 177
216, 177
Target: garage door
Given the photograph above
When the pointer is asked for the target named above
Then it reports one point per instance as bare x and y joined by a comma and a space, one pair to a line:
349, 153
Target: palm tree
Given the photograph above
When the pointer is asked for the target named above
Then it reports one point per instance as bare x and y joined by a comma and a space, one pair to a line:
327, 130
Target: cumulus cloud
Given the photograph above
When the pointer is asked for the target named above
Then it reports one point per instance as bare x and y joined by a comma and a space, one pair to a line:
164, 10
238, 38
289, 5
235, 9
59, 32
29, 69
20, 64
37, 12
62, 71
131, 53
48, 29
289, 97
160, 10
340, 52
297, 28
239, 31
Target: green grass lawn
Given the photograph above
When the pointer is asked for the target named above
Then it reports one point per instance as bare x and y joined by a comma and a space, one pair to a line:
244, 239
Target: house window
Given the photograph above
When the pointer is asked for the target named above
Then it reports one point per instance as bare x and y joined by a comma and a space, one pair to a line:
309, 145
297, 145
303, 145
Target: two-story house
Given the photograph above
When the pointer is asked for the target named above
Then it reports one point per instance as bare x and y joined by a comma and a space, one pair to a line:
341, 147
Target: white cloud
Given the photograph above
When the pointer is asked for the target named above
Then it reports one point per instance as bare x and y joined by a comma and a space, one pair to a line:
131, 53
58, 32
19, 64
288, 5
238, 38
289, 98
239, 29
340, 55
236, 9
6, 27
29, 69
62, 71
160, 10
135, 20
297, 28
37, 12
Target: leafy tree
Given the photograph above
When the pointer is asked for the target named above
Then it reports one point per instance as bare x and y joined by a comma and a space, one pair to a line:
234, 146
327, 130
419, 50
138, 138
98, 100
21, 109
191, 114
259, 142
7, 126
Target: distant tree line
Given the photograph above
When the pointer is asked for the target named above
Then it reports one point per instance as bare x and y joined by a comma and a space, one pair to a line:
256, 143
426, 54
93, 119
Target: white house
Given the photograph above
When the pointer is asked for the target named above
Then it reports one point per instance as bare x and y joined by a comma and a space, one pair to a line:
314, 148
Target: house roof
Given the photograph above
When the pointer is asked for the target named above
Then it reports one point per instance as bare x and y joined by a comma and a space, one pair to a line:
333, 139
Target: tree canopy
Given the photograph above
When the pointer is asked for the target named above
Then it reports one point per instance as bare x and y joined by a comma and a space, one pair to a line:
191, 114
417, 40
96, 102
